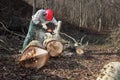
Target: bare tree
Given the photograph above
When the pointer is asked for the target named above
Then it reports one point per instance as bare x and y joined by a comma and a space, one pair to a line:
95, 14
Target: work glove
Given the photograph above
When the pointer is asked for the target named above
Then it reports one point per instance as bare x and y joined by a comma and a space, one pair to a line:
54, 31
44, 26
58, 25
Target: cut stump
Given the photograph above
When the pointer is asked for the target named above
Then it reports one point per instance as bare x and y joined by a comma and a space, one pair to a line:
79, 50
54, 47
34, 56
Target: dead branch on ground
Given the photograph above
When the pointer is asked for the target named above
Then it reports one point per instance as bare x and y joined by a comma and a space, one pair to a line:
11, 31
7, 46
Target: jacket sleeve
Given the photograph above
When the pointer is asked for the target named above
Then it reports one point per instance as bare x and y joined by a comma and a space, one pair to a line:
29, 35
54, 21
37, 18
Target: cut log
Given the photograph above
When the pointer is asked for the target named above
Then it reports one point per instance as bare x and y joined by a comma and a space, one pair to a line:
53, 43
79, 50
33, 42
34, 56
110, 71
54, 47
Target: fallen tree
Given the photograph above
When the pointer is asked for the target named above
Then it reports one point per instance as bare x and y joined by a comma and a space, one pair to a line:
110, 71
36, 55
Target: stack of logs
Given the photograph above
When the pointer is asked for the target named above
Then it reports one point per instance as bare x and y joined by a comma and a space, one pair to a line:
36, 56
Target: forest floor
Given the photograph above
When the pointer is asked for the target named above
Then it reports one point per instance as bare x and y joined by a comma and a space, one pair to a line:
64, 67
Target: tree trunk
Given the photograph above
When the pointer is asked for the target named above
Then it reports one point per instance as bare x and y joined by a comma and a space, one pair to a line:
34, 56
110, 71
53, 43
53, 46
85, 13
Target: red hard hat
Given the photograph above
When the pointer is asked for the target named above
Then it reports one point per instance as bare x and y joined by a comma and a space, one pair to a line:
49, 14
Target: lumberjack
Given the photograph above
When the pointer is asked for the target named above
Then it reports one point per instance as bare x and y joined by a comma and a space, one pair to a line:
36, 53
38, 24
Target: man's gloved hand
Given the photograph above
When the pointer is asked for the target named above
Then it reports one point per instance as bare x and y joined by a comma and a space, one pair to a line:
57, 29
54, 31
44, 26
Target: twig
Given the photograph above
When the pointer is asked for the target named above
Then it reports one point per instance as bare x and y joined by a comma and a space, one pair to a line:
8, 56
8, 48
92, 73
82, 38
115, 4
76, 43
11, 31
69, 37
34, 7
4, 48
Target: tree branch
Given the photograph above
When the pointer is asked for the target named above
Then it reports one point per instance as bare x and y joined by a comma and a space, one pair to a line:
11, 31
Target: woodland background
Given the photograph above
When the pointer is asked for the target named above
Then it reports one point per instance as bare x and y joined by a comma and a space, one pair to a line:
96, 14
98, 20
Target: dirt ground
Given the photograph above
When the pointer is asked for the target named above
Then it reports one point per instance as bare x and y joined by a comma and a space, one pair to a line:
64, 67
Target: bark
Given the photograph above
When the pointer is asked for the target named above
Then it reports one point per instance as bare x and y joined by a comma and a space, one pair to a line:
54, 47
53, 43
110, 71
34, 56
